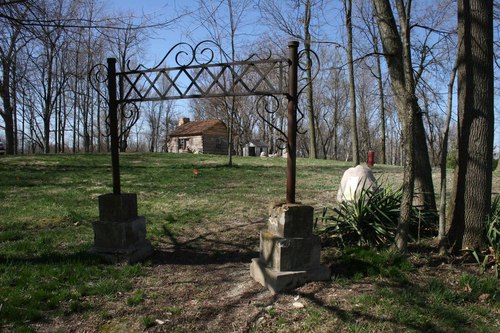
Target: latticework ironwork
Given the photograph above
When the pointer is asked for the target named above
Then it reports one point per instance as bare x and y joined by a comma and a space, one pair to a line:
197, 75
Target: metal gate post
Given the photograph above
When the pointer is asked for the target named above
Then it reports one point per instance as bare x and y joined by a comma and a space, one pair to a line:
292, 121
113, 124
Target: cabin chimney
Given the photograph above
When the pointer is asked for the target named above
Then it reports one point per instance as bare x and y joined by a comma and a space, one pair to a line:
183, 121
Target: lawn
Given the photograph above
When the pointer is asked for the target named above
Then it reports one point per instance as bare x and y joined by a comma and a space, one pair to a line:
204, 226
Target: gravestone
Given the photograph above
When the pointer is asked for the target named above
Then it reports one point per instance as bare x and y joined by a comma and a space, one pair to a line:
354, 181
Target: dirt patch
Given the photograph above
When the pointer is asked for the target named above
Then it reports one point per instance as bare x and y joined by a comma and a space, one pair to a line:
200, 282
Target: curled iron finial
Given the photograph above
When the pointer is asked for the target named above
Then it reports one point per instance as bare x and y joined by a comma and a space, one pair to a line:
308, 61
129, 112
270, 104
300, 119
305, 64
184, 54
265, 54
99, 75
206, 48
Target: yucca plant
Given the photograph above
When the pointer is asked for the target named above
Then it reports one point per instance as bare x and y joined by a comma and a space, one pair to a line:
493, 236
490, 257
369, 219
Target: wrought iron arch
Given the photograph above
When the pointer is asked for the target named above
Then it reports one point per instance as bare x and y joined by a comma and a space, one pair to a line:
254, 76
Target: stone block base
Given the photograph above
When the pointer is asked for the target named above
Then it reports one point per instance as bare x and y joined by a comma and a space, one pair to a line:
289, 251
121, 241
277, 281
289, 254
131, 255
118, 207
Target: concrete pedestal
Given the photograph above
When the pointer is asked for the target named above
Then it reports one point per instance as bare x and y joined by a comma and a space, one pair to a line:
289, 251
120, 235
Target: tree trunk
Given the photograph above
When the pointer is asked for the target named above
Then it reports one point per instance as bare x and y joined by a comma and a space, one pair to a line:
425, 199
444, 157
471, 200
397, 54
310, 98
381, 101
7, 112
352, 88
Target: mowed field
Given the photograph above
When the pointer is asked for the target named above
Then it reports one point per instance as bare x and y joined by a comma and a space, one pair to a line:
203, 219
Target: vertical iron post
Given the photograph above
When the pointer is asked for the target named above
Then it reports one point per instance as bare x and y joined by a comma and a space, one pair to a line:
292, 121
113, 124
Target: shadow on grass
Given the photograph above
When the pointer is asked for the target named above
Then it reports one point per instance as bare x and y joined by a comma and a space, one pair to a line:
206, 249
199, 256
83, 256
395, 297
355, 316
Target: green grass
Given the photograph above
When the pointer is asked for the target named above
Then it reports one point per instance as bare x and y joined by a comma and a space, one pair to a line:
48, 204
137, 298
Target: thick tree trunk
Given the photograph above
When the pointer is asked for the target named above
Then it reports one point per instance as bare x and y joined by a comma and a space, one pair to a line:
471, 199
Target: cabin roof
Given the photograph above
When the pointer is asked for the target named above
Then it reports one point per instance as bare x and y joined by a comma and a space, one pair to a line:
257, 143
196, 127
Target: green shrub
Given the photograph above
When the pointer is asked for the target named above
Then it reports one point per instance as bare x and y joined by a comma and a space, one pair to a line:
490, 257
493, 236
371, 219
493, 226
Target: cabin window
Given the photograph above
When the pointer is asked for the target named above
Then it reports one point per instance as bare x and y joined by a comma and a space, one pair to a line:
183, 143
218, 143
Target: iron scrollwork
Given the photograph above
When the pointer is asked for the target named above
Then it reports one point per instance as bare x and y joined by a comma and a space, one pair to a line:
306, 64
256, 75
129, 114
196, 74
98, 76
270, 105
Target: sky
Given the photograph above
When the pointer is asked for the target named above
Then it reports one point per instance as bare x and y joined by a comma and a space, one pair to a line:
186, 29
165, 38
192, 31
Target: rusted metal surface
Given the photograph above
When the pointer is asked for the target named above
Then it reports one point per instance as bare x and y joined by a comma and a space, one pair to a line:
292, 121
113, 125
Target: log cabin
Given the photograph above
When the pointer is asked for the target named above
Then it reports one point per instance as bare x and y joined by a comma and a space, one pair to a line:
201, 136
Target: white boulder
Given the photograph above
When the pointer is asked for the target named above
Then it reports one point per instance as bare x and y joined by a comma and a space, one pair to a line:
354, 181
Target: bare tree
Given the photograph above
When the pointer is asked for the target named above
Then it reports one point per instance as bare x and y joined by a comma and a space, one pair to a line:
370, 26
471, 198
397, 54
444, 155
127, 45
352, 86
52, 39
10, 43
293, 18
214, 18
159, 117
